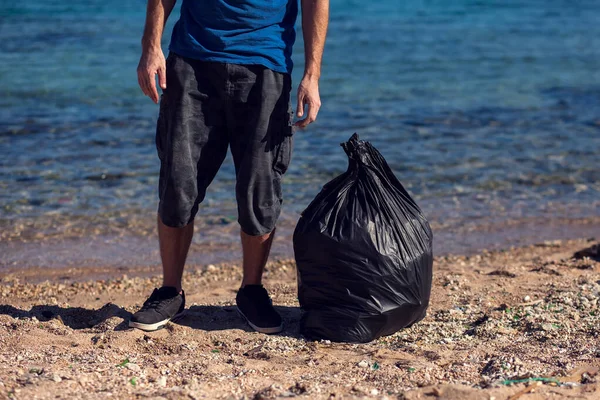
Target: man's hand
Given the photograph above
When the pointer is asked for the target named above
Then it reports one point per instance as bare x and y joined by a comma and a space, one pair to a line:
308, 96
152, 63
315, 18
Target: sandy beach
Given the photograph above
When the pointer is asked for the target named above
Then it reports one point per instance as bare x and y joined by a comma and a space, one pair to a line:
518, 323
487, 112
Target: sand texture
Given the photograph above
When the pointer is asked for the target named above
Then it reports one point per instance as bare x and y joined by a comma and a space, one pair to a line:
528, 314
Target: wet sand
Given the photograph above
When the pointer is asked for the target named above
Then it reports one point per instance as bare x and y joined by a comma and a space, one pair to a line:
96, 248
516, 323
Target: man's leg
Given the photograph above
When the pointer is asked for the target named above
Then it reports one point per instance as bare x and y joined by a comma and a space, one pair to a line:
255, 254
168, 301
174, 246
252, 299
260, 132
191, 143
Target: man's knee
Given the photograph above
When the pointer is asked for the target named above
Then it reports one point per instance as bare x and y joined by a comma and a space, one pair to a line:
256, 218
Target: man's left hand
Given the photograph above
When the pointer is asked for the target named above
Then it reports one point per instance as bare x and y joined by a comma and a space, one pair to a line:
308, 96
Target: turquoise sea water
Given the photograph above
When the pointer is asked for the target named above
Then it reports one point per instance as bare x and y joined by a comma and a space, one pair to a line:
488, 111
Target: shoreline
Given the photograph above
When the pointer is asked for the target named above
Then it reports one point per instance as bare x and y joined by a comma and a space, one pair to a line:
102, 256
495, 318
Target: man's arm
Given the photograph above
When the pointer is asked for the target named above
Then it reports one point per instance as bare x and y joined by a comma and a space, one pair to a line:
152, 61
315, 17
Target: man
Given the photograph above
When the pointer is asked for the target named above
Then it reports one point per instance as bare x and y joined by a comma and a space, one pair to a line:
226, 82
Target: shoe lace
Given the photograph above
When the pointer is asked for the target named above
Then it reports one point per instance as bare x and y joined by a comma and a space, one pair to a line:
153, 302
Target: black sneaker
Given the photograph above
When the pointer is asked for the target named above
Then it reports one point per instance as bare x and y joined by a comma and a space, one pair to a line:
255, 305
161, 307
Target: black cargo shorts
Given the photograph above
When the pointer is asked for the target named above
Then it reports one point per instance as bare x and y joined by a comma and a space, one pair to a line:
206, 108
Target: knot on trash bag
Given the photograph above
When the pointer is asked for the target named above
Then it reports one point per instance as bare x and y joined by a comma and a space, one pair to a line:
356, 149
362, 154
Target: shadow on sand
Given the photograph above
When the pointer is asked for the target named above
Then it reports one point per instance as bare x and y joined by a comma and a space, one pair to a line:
73, 317
218, 318
206, 317
592, 252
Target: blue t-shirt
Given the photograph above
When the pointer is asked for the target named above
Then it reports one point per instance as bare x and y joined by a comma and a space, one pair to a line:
237, 32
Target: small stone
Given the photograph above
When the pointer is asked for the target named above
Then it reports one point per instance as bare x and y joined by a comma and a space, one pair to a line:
575, 316
374, 392
162, 381
56, 378
133, 367
568, 301
211, 267
526, 298
547, 327
363, 364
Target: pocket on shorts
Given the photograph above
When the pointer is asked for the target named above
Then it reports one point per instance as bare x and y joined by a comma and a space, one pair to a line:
284, 146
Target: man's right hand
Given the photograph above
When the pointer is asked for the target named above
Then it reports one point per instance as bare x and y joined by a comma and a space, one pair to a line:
152, 63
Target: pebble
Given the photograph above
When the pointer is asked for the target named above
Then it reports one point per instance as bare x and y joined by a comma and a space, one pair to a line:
363, 364
374, 392
547, 327
568, 301
162, 381
526, 298
575, 316
56, 378
133, 367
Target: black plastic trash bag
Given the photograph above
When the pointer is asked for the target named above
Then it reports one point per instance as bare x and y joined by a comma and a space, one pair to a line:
364, 254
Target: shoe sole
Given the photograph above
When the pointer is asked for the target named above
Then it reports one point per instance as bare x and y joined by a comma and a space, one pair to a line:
273, 329
155, 326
